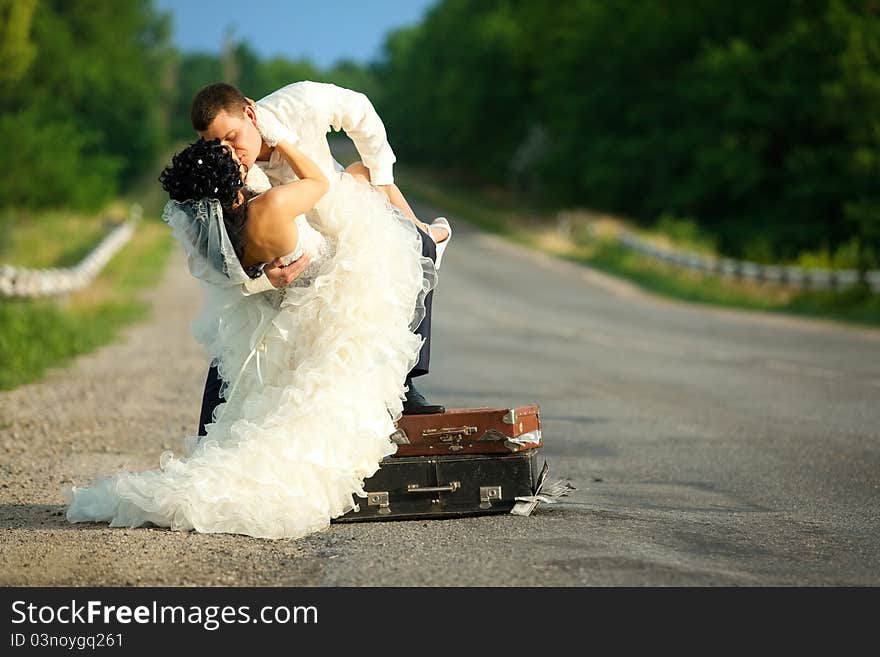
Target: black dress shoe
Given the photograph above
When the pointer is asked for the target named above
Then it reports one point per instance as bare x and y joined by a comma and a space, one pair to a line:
416, 404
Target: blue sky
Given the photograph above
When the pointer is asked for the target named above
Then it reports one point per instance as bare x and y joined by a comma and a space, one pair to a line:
323, 31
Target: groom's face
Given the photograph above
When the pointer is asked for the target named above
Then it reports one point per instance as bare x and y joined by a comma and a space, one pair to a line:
238, 132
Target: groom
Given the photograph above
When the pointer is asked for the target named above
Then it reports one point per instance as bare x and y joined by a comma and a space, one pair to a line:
304, 112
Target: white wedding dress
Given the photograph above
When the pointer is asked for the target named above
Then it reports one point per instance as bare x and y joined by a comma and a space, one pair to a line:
313, 378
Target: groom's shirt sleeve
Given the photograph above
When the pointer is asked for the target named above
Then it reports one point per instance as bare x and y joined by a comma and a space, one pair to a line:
352, 111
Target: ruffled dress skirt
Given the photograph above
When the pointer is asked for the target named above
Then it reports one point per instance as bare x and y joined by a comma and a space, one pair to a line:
313, 381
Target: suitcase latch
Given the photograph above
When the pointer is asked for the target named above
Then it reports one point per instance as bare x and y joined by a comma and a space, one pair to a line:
399, 437
487, 494
451, 435
380, 500
512, 419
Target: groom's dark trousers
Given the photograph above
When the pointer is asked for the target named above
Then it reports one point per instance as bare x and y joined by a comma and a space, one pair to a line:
211, 397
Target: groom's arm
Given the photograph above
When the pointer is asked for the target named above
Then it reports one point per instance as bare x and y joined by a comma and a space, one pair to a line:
342, 109
276, 275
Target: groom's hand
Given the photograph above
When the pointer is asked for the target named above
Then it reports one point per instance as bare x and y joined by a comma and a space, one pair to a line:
271, 129
281, 276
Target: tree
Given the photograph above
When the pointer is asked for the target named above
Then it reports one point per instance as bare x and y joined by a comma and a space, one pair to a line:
853, 98
97, 92
16, 48
757, 119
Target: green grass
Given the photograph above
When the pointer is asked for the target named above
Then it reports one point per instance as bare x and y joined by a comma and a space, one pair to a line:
663, 279
40, 334
857, 305
51, 239
498, 214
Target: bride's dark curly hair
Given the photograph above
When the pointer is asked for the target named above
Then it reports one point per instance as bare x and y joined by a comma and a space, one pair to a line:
205, 169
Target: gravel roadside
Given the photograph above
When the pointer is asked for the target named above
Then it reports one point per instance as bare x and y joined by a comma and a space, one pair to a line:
118, 407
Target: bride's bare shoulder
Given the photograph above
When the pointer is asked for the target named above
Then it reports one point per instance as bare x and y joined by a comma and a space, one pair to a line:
271, 205
290, 199
271, 225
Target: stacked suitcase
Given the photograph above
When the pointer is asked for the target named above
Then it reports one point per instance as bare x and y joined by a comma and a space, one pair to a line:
468, 461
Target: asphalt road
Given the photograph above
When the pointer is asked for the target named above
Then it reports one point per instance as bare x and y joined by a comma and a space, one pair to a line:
709, 447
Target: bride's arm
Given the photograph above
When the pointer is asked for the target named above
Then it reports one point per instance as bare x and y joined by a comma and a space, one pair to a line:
300, 195
271, 215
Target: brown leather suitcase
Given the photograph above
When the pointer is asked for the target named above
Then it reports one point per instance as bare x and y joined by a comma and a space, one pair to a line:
469, 431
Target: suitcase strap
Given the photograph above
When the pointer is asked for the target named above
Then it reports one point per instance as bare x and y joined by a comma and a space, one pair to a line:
449, 434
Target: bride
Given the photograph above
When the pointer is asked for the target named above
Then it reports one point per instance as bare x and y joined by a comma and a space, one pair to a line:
313, 374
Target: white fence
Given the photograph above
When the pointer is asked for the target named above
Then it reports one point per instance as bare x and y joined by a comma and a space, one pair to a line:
32, 283
798, 277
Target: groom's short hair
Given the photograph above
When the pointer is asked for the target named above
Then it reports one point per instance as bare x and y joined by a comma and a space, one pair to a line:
210, 100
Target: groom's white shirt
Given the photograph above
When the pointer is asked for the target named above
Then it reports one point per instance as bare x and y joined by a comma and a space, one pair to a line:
310, 110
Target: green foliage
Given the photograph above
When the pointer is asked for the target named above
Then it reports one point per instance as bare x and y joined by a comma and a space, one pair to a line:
456, 89
16, 49
68, 172
846, 256
88, 114
191, 72
350, 75
685, 232
759, 120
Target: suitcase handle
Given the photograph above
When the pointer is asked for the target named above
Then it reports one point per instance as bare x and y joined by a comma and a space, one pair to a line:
451, 488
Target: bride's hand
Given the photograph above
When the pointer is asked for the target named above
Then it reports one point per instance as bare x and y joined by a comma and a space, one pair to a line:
281, 276
271, 129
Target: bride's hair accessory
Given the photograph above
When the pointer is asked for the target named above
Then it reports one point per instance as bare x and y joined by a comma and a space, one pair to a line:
205, 210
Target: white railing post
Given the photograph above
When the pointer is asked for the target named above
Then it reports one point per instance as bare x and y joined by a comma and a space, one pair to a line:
791, 276
24, 282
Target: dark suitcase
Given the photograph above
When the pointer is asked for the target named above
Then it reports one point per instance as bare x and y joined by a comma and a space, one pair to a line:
469, 431
446, 486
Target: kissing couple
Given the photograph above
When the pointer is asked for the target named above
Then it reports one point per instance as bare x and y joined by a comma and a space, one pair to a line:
317, 284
